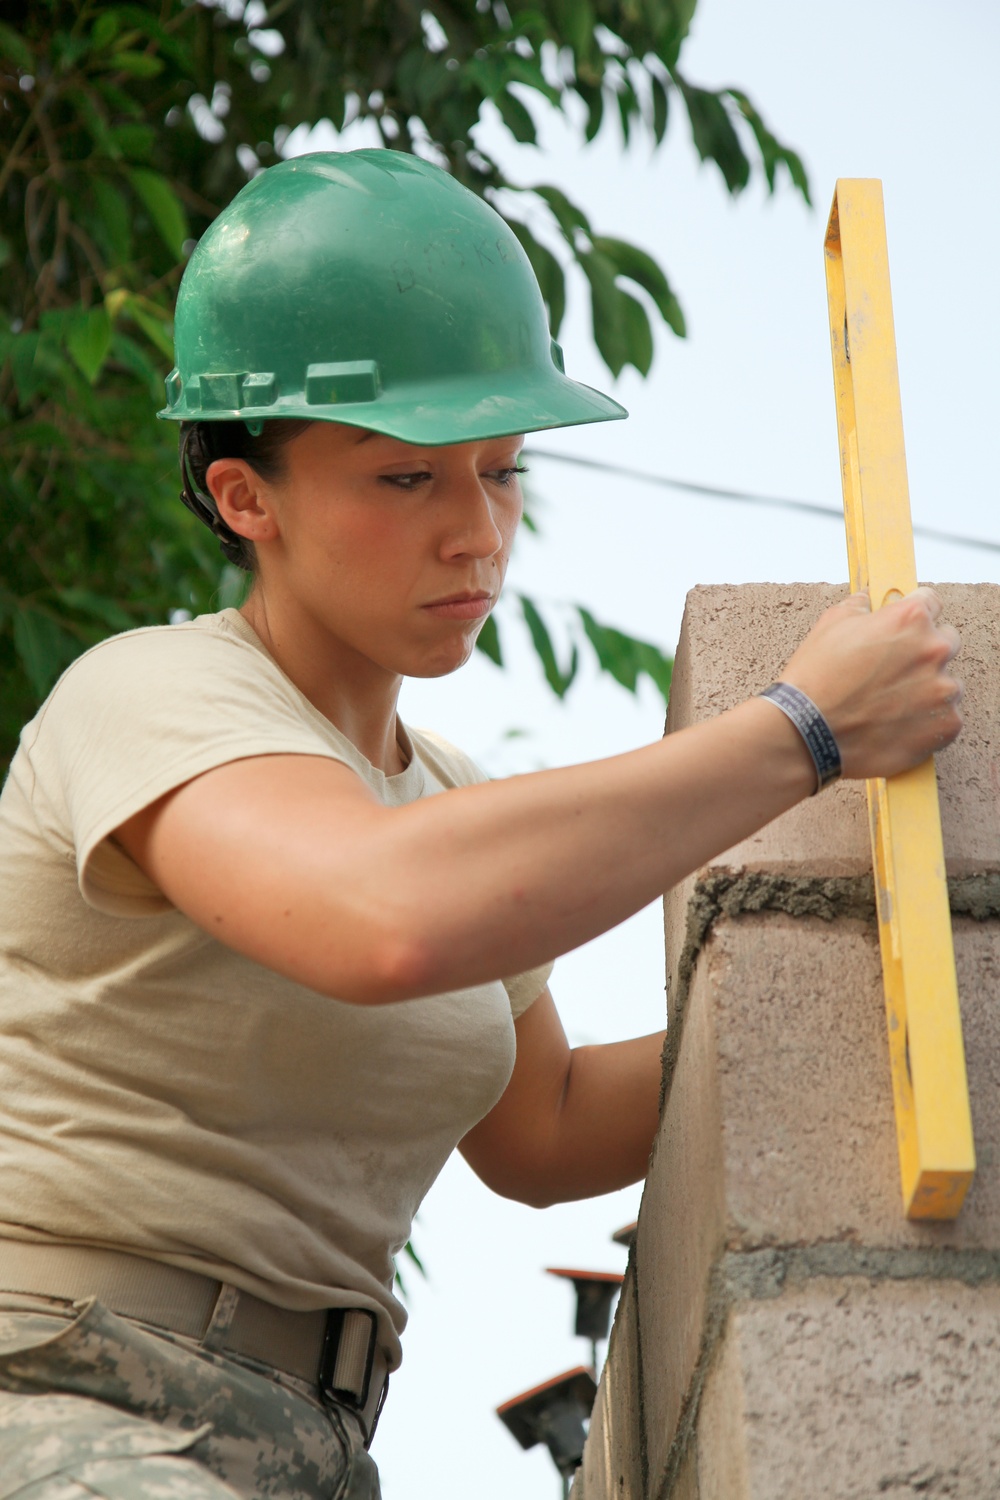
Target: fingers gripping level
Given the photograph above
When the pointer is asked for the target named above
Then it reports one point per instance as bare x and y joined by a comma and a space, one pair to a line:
926, 1054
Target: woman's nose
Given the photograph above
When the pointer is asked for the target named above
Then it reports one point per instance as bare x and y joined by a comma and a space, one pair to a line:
474, 530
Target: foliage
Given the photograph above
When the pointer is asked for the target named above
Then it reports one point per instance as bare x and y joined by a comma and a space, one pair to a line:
413, 1256
126, 126
622, 656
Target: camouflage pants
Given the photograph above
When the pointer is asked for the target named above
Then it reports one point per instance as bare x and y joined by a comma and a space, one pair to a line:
95, 1405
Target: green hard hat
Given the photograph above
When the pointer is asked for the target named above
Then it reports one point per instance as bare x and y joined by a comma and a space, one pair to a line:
369, 288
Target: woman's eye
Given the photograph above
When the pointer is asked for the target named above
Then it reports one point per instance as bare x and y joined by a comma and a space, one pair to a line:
507, 476
406, 481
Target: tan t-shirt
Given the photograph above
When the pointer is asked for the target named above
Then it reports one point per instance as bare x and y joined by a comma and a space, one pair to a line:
163, 1094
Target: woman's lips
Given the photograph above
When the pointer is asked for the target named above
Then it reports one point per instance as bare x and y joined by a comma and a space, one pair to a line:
461, 607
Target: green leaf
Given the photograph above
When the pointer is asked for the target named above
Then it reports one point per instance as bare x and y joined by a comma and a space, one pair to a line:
156, 329
488, 641
625, 657
108, 611
714, 134
638, 334
593, 97
558, 680
459, 114
35, 364
128, 353
641, 268
56, 322
66, 50
548, 273
516, 117
575, 20
163, 207
14, 47
89, 341
93, 121
567, 215
113, 217
607, 310
104, 31
423, 77
773, 153
43, 648
797, 172
527, 70
134, 142
139, 64
661, 110
142, 21
409, 1250
628, 108
484, 73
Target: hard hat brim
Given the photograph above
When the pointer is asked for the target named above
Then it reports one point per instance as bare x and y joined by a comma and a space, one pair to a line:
460, 409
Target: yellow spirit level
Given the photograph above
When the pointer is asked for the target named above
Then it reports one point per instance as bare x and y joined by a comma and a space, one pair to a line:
927, 1058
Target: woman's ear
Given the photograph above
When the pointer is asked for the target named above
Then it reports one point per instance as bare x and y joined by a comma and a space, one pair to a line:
243, 500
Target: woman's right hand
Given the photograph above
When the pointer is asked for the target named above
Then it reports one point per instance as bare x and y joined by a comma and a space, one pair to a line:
882, 681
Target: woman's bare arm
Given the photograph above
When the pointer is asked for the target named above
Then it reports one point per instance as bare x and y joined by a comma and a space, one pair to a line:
293, 861
571, 1123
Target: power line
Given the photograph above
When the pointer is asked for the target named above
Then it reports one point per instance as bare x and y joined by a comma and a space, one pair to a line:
776, 502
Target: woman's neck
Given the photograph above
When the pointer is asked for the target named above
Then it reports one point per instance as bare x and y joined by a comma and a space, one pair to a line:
353, 692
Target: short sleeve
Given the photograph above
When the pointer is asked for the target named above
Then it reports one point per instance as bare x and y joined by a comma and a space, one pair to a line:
453, 768
524, 989
141, 714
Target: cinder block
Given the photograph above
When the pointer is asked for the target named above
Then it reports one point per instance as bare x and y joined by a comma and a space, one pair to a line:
685, 1487
808, 1129
612, 1460
681, 1230
735, 640
848, 1389
721, 1432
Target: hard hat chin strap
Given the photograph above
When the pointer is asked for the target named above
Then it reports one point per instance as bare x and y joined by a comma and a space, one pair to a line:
202, 505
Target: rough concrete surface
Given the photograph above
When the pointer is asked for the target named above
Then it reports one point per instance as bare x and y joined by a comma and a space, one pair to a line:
735, 640
848, 1390
680, 1234
756, 1275
685, 1487
807, 1119
612, 1463
720, 1447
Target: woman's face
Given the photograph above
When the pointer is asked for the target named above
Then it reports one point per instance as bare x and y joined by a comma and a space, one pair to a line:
395, 551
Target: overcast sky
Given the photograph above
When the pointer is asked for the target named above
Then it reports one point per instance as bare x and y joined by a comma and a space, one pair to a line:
898, 89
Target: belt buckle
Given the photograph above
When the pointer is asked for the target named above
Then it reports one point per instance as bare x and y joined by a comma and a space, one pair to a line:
345, 1367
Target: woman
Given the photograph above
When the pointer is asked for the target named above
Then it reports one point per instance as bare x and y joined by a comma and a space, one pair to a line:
253, 967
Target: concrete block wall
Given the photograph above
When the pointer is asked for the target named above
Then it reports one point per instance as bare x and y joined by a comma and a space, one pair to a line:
784, 1331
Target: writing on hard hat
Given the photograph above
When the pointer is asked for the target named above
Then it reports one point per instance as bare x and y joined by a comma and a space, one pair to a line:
369, 288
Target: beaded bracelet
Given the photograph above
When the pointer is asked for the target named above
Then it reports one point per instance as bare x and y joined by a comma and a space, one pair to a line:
813, 728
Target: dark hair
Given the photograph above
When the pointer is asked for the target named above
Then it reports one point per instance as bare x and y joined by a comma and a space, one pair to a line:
201, 443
